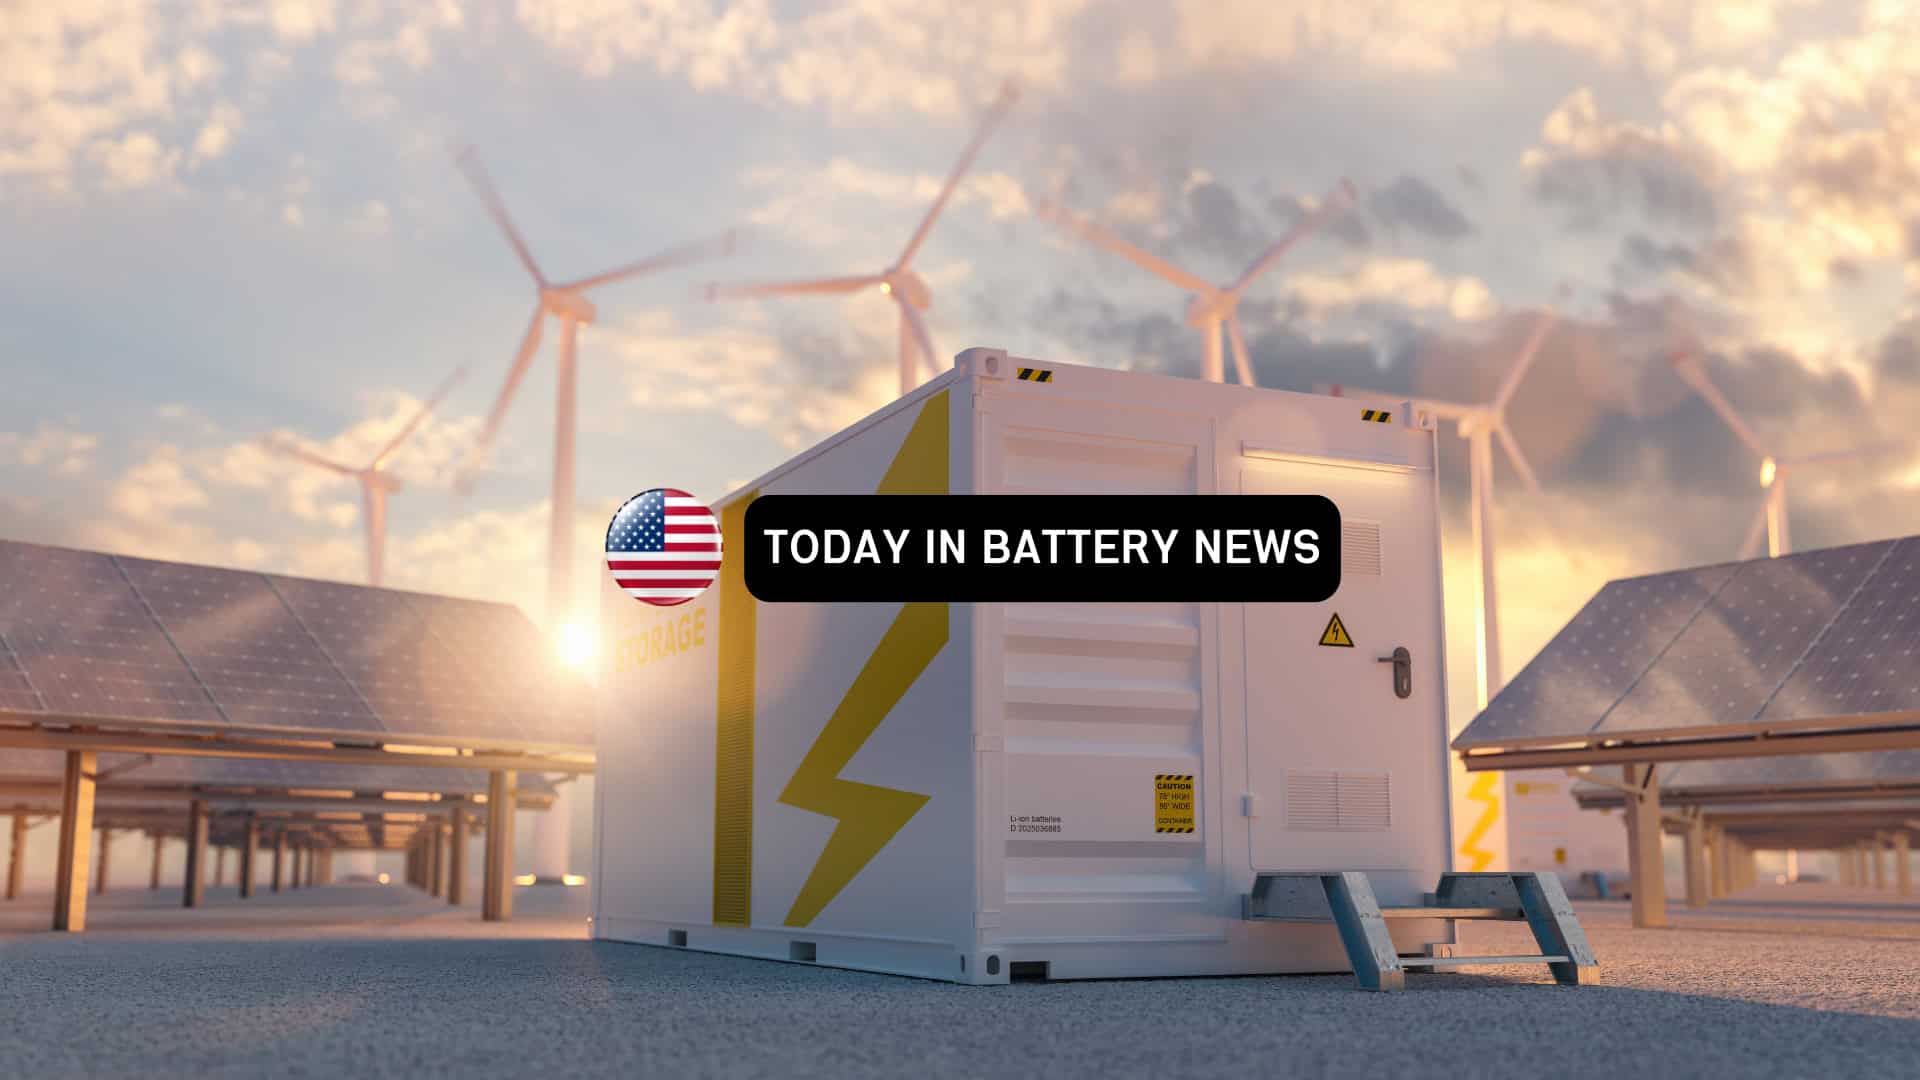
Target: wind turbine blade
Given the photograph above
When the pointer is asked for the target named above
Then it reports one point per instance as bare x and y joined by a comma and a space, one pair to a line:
709, 248
920, 336
1750, 549
1099, 236
301, 453
469, 162
1009, 93
521, 362
1689, 369
1518, 371
1512, 447
431, 403
1338, 201
795, 288
1239, 343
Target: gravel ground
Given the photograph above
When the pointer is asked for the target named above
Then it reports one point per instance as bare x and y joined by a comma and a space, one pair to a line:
369, 981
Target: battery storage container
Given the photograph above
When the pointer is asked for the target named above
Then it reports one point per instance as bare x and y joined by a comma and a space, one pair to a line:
981, 792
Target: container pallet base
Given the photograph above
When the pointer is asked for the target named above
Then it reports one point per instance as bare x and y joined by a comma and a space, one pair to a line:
1345, 898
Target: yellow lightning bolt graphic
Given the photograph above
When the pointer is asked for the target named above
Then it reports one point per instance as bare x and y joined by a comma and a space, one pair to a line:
869, 816
1482, 791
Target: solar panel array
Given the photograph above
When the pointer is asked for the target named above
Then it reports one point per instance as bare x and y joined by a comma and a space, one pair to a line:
176, 772
140, 642
1820, 634
1842, 770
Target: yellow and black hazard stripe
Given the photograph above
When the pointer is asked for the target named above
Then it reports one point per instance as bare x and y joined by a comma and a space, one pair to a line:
1375, 416
1173, 829
1028, 374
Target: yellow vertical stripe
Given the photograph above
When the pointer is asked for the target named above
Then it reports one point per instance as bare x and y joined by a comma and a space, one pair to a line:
733, 749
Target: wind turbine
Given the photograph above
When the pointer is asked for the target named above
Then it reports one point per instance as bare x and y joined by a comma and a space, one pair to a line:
1481, 425
567, 303
908, 289
1211, 306
1771, 521
375, 483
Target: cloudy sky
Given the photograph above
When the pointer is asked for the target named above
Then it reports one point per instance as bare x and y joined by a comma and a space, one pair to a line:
228, 219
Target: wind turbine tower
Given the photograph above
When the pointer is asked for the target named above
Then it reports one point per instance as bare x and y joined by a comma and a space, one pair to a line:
567, 304
1771, 521
1484, 803
375, 482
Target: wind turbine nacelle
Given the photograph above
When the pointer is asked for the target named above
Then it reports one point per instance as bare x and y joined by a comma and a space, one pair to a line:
571, 306
910, 287
1208, 309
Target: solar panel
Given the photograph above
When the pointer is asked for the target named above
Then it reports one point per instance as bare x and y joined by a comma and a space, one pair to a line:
82, 637
1837, 769
183, 772
1597, 656
253, 656
90, 635
1729, 659
1819, 635
16, 691
1869, 660
506, 674
381, 643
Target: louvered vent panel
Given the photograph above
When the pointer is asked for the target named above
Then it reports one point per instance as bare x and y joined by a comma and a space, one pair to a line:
1360, 548
1321, 801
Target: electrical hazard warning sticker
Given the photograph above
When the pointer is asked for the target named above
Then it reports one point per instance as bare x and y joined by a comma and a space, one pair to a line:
1336, 634
1173, 803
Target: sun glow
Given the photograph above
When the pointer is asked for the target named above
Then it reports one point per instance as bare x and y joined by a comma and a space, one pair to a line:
577, 646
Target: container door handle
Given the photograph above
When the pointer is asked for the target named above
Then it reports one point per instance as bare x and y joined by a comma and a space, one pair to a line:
1402, 662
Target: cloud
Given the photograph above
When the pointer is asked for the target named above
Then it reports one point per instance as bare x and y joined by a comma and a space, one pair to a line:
408, 41
217, 133
171, 483
798, 387
64, 452
862, 59
299, 21
137, 160
1419, 37
1413, 204
1595, 168
805, 197
1382, 283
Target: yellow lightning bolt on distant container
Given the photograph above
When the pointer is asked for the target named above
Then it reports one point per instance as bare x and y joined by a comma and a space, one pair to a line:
1484, 791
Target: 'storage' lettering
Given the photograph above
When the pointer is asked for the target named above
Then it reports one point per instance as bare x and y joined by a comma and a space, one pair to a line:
670, 638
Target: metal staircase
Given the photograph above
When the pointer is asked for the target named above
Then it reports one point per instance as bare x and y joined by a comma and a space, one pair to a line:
1346, 899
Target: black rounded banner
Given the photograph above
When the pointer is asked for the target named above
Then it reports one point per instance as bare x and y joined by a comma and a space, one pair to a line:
1042, 548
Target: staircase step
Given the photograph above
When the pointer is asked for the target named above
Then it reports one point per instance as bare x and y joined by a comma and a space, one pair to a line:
1475, 961
1500, 913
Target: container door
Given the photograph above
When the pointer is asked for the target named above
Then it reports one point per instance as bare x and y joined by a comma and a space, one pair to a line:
1344, 773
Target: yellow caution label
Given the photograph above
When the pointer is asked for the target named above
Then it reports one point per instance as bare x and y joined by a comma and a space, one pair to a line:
1028, 374
1173, 802
1376, 416
1336, 634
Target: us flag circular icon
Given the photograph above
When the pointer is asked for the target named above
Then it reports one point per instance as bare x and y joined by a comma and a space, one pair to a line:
663, 547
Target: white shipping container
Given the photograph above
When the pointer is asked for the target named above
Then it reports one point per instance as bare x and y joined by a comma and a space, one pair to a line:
955, 790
